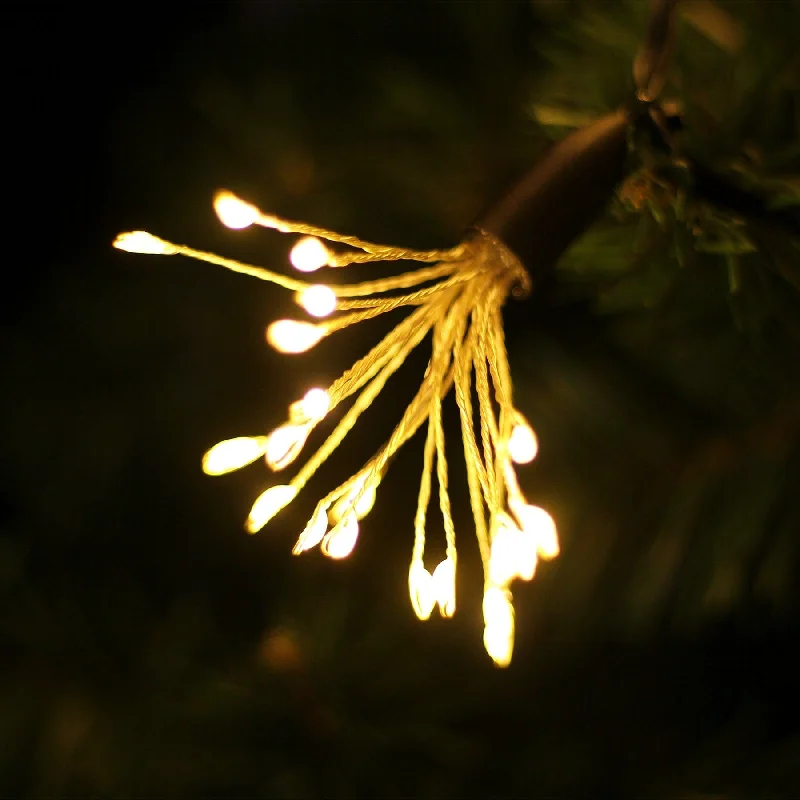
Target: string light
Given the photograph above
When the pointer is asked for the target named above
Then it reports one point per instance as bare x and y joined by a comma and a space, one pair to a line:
458, 301
455, 298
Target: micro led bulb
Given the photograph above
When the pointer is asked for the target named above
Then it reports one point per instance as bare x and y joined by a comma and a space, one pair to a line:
503, 558
318, 300
363, 504
143, 242
233, 454
513, 553
444, 587
267, 505
498, 612
421, 590
498, 618
341, 539
499, 644
284, 445
309, 254
537, 523
294, 336
315, 404
527, 555
522, 443
233, 212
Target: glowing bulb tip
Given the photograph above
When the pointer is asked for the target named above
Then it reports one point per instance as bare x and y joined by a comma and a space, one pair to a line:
318, 300
309, 254
293, 336
144, 243
233, 212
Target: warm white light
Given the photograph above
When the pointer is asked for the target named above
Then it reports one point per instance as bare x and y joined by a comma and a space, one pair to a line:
293, 336
233, 212
444, 587
309, 254
268, 504
315, 404
499, 644
284, 445
539, 524
513, 553
143, 242
318, 300
341, 539
522, 444
498, 617
421, 590
502, 561
233, 454
312, 407
313, 533
497, 609
363, 504
527, 555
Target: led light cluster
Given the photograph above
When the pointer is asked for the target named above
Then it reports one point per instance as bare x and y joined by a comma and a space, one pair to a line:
458, 300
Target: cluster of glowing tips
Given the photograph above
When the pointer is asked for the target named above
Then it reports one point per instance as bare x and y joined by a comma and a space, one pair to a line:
456, 300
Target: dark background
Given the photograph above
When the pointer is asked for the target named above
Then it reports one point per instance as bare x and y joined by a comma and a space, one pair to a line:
150, 647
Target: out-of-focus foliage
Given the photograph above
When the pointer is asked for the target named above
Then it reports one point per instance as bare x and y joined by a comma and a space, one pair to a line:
152, 649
